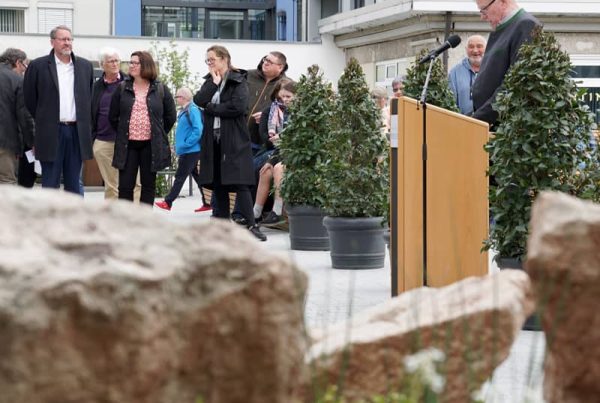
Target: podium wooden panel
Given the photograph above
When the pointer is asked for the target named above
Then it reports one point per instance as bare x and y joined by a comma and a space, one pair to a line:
457, 197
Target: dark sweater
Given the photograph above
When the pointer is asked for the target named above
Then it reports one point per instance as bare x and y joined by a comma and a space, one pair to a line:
501, 53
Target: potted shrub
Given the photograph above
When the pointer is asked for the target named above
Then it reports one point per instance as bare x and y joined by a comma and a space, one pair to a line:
355, 182
543, 142
438, 92
303, 150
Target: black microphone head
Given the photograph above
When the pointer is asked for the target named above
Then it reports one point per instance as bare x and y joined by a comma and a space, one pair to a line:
453, 40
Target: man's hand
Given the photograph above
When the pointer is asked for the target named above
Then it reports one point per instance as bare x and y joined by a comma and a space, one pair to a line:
257, 116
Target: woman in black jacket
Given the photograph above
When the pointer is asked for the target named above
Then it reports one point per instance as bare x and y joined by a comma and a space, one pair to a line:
226, 153
142, 112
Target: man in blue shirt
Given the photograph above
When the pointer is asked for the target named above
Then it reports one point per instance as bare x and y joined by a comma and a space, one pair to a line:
463, 74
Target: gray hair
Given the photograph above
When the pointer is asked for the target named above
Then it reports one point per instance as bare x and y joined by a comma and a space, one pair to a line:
379, 92
185, 92
12, 56
59, 28
106, 52
398, 80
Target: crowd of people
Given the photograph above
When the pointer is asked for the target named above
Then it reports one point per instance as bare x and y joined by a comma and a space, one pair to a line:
227, 132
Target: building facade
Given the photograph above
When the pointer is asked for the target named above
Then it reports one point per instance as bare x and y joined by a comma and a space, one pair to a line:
34, 16
384, 36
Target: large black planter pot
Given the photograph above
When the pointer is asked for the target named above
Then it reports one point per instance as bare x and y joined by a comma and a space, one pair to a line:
306, 228
533, 322
356, 243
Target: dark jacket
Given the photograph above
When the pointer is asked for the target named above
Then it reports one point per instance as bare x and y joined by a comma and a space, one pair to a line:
259, 98
97, 91
40, 88
236, 152
16, 128
162, 118
501, 53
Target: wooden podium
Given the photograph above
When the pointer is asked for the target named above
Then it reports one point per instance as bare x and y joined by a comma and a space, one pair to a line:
456, 197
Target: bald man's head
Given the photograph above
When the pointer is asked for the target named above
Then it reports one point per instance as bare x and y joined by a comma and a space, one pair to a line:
475, 49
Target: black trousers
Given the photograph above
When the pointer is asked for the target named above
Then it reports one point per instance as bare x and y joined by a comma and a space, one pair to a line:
186, 165
26, 173
221, 193
139, 156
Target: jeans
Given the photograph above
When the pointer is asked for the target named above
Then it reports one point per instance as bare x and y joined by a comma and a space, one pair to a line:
66, 162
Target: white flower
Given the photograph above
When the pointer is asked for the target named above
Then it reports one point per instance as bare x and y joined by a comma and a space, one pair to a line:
423, 364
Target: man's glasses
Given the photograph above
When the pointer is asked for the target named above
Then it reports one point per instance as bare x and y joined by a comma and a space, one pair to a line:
484, 9
266, 60
68, 40
24, 63
112, 61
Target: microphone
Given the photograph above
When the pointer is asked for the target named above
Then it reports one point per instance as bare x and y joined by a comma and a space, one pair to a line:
451, 42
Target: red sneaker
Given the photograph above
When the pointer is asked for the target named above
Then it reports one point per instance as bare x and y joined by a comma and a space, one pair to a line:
205, 207
163, 205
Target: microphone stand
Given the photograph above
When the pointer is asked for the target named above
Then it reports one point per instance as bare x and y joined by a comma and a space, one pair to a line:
423, 102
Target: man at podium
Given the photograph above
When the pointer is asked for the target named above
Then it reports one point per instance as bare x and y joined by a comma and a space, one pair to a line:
512, 27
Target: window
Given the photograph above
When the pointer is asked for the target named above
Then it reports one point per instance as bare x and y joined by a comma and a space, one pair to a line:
386, 71
225, 24
12, 21
588, 76
49, 18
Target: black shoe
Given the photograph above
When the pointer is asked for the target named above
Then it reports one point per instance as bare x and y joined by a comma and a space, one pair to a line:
240, 220
254, 230
272, 219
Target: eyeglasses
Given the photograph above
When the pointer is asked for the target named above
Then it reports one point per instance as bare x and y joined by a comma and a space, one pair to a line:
178, 96
484, 9
210, 61
396, 89
113, 61
265, 60
64, 39
24, 63
134, 63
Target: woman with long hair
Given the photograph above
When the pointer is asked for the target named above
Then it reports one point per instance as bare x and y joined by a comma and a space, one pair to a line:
142, 111
226, 153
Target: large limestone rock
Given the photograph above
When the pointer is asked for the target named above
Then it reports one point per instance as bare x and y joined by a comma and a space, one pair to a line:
109, 303
563, 260
474, 322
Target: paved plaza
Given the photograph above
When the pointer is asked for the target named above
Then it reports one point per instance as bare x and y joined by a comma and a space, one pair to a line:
334, 295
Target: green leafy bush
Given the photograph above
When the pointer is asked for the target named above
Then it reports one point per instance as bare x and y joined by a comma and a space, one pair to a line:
303, 140
356, 175
543, 142
438, 92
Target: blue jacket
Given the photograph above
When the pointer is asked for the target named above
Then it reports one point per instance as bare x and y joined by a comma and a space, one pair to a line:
461, 78
189, 130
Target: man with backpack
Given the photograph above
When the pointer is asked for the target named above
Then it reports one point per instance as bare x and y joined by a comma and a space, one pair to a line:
187, 144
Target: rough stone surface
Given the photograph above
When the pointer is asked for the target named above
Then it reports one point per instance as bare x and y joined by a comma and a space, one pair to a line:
474, 322
109, 303
563, 260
